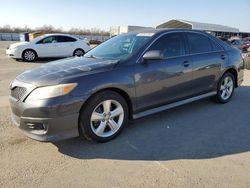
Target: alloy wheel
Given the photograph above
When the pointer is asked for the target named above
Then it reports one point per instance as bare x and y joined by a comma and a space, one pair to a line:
226, 88
107, 118
29, 55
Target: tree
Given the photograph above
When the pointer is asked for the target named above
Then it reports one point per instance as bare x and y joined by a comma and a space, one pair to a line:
52, 29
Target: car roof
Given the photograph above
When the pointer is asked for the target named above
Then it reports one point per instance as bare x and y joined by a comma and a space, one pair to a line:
158, 32
165, 30
58, 34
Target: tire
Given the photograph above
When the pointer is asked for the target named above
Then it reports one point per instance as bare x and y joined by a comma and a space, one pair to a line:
78, 52
225, 88
29, 55
99, 124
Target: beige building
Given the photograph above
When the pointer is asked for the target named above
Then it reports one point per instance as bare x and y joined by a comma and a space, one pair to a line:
117, 30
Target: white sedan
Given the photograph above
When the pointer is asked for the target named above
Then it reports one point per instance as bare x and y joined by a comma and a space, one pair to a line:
49, 45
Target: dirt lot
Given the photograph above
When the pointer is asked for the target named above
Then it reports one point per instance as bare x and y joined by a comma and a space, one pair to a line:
197, 145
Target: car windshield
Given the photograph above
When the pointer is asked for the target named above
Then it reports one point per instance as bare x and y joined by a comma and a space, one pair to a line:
120, 47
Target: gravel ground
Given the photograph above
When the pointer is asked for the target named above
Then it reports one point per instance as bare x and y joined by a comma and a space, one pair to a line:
197, 145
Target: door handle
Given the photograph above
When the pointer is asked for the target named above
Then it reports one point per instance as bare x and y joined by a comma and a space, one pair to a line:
223, 56
186, 64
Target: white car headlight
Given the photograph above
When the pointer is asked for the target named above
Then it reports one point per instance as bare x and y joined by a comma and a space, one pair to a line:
13, 48
51, 91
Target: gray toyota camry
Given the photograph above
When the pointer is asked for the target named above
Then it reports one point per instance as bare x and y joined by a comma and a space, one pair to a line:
126, 77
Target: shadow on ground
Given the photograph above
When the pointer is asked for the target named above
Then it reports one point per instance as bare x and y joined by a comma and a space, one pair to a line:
199, 130
40, 60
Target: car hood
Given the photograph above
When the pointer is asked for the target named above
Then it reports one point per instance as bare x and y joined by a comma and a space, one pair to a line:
18, 44
55, 72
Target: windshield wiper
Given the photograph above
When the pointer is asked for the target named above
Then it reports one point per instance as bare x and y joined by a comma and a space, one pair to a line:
103, 58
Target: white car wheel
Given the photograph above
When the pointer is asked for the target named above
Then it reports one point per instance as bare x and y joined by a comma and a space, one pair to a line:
78, 52
29, 55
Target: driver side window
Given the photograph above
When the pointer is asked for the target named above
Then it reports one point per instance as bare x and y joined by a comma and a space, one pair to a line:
170, 45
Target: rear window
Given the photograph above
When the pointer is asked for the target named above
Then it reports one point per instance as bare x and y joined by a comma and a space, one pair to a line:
199, 43
216, 46
65, 39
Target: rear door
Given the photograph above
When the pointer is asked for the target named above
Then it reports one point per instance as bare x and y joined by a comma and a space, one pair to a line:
163, 81
207, 57
66, 45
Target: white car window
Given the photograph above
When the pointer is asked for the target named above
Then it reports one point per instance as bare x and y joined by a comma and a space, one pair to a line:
51, 39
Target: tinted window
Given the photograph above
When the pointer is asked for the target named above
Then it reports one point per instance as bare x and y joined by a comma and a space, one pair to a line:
199, 43
51, 39
170, 45
65, 39
216, 47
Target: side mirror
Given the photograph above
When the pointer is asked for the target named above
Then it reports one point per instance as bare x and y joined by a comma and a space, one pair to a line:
153, 55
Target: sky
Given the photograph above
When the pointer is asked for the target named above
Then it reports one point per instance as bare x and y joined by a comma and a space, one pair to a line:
105, 13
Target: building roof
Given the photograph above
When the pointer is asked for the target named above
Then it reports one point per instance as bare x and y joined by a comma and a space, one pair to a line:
197, 25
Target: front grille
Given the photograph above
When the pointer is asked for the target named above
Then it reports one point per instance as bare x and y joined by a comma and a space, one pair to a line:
18, 92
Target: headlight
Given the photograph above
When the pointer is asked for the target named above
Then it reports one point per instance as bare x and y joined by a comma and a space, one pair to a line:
12, 48
51, 91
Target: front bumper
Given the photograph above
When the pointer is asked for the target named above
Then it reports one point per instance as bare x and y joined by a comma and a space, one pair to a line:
13, 53
46, 120
49, 129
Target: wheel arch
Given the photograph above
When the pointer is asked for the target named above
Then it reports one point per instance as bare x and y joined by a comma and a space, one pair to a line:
31, 50
234, 72
121, 92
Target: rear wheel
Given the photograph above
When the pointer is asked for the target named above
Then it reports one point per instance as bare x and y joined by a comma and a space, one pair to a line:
78, 52
29, 55
225, 88
103, 117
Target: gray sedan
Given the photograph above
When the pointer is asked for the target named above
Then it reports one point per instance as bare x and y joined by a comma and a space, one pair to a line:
126, 77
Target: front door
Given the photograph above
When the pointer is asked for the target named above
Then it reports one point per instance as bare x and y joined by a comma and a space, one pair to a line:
166, 80
48, 47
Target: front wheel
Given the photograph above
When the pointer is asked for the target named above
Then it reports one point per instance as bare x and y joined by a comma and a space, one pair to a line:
29, 55
103, 117
225, 88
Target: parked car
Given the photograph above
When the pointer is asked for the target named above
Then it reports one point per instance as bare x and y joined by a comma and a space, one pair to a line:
127, 77
247, 42
247, 39
95, 42
224, 39
246, 46
49, 45
240, 44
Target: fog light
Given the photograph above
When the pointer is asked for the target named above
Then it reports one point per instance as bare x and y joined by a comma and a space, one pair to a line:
35, 126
